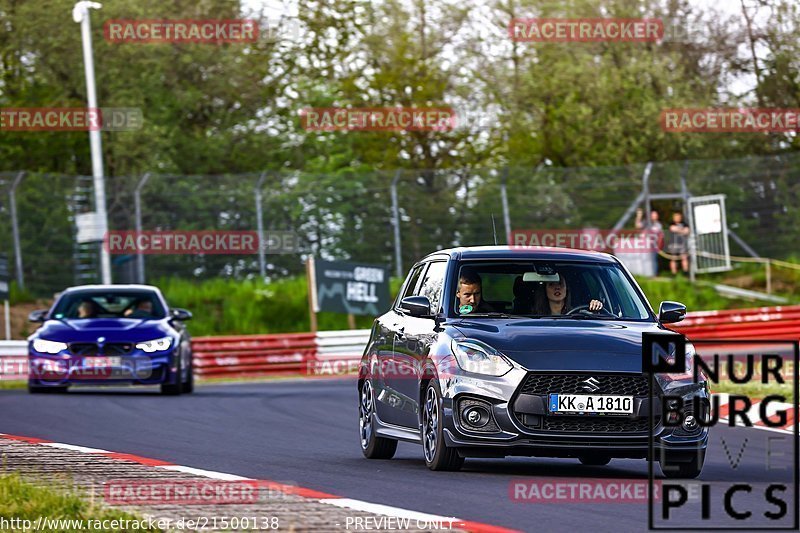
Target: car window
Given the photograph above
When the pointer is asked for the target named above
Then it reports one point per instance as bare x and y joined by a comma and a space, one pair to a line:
411, 282
631, 306
432, 284
109, 304
520, 288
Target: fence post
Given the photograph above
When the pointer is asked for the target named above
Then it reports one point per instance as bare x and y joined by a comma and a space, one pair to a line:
12, 197
768, 268
398, 259
137, 200
262, 267
504, 199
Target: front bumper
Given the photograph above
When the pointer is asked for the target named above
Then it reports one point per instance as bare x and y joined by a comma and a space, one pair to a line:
521, 425
135, 368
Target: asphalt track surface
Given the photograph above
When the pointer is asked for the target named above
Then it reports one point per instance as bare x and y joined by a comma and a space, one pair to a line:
306, 433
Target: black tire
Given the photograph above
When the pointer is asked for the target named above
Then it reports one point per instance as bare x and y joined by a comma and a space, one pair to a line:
682, 466
173, 389
47, 389
188, 387
594, 460
372, 446
438, 456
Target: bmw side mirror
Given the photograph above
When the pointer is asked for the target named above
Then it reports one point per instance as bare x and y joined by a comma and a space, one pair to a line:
181, 314
418, 306
671, 312
38, 315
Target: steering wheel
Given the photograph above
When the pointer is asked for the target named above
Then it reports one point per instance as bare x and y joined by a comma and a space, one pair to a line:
584, 309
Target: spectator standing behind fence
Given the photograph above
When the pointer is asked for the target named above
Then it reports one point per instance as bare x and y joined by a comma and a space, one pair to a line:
652, 225
678, 243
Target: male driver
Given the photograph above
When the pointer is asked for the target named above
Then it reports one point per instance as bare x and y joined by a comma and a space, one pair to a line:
469, 294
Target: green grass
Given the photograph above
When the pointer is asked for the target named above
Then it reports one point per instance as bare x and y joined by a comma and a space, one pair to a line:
695, 297
28, 501
13, 385
229, 307
18, 296
755, 390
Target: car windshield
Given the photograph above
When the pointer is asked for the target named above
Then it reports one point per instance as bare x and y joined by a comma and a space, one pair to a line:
536, 289
109, 304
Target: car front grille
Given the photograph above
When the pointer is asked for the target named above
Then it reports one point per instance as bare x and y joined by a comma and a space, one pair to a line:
604, 424
117, 348
627, 385
90, 348
83, 348
542, 384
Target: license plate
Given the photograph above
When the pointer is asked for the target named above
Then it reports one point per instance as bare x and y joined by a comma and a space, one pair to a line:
102, 362
590, 403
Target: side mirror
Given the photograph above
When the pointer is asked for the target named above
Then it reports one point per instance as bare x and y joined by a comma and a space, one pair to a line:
418, 306
671, 312
38, 315
180, 314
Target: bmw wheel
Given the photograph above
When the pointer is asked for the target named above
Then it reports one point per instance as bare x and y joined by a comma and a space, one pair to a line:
437, 454
372, 446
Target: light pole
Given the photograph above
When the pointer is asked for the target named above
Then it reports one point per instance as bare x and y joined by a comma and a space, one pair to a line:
80, 14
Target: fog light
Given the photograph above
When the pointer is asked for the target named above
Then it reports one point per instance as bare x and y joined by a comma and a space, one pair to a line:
690, 423
475, 416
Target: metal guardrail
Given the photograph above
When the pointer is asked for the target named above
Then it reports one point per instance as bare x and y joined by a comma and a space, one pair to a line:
13, 360
781, 322
253, 355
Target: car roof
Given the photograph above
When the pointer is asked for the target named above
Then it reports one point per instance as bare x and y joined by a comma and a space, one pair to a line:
112, 287
525, 252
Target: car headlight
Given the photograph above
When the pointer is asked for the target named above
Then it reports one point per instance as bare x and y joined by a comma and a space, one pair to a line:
45, 346
157, 345
479, 358
687, 376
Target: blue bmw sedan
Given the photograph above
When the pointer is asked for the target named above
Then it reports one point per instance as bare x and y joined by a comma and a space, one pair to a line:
110, 335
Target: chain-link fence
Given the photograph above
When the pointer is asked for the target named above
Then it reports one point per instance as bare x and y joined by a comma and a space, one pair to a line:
351, 216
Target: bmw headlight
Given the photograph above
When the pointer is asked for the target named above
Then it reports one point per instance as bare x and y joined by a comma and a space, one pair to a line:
45, 346
157, 345
479, 358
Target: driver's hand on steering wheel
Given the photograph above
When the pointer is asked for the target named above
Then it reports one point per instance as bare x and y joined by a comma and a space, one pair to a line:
595, 305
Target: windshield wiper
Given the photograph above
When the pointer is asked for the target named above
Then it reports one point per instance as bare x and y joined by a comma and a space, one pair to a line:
491, 315
578, 316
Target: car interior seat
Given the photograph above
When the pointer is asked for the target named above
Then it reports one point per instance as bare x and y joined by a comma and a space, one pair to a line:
523, 296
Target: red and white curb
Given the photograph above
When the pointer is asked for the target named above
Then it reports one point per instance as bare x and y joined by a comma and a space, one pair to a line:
317, 496
754, 414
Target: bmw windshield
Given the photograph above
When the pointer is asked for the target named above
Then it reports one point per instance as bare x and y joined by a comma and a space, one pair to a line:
574, 290
109, 304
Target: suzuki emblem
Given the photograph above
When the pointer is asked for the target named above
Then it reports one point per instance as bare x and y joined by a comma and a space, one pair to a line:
590, 385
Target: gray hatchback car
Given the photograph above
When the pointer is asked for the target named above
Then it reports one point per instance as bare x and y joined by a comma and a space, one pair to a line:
498, 351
